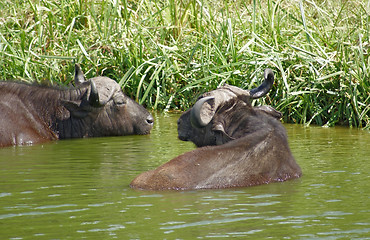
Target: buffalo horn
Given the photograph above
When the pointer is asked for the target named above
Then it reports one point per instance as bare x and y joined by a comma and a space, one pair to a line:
79, 75
265, 87
94, 95
202, 112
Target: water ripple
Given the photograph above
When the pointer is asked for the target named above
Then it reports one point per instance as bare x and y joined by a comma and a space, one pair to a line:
265, 196
56, 206
209, 222
5, 194
111, 228
11, 215
258, 204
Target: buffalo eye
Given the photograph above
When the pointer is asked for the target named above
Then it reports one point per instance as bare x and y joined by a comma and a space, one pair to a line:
119, 101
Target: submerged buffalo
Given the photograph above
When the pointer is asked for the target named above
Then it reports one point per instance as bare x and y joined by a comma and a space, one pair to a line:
239, 145
97, 107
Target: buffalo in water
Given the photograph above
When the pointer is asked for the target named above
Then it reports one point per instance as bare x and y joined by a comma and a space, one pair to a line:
97, 107
238, 145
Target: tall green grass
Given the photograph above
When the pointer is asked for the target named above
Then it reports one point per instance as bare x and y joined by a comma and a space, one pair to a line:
166, 53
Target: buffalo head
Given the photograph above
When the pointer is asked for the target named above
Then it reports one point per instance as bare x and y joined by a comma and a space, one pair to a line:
216, 116
109, 111
238, 145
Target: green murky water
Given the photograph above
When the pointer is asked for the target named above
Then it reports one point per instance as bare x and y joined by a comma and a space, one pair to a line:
78, 189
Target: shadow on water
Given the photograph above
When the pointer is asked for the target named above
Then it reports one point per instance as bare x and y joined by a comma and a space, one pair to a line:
79, 189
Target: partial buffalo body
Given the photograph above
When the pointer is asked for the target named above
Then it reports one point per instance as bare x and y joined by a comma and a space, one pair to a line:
97, 107
239, 145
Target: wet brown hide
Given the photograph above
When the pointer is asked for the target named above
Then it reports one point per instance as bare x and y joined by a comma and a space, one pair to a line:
248, 161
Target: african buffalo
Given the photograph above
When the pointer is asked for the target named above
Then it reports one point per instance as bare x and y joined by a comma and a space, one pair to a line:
239, 145
97, 107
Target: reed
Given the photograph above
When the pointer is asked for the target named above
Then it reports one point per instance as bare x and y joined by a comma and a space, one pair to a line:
166, 53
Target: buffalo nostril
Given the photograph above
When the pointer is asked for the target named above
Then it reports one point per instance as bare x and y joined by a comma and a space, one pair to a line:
150, 120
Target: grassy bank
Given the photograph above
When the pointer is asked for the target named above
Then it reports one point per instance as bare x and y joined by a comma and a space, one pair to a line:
165, 53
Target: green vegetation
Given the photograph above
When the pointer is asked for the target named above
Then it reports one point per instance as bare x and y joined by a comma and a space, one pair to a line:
166, 53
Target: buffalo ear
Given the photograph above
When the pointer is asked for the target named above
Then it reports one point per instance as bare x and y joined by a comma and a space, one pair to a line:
271, 111
75, 109
202, 112
221, 136
79, 75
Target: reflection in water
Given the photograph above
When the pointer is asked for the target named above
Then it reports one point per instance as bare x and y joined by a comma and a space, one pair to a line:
79, 189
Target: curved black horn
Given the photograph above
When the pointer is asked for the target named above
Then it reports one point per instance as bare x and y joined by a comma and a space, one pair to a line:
79, 75
265, 87
94, 95
202, 112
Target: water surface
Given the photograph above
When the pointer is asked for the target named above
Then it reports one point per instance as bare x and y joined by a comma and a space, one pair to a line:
78, 189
